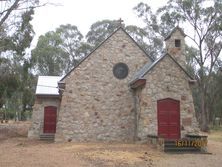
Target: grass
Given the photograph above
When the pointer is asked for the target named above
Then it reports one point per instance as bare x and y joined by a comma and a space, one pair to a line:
216, 134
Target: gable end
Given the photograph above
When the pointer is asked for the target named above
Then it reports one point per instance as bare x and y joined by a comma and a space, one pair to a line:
150, 67
167, 54
101, 45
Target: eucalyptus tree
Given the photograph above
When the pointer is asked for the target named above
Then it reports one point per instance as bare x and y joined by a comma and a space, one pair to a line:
72, 43
48, 57
100, 30
57, 52
13, 45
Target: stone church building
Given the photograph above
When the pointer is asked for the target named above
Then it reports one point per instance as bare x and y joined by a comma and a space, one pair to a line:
118, 93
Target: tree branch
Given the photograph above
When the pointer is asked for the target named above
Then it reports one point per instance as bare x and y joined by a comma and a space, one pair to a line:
14, 6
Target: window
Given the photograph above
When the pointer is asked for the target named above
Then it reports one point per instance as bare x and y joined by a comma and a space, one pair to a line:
120, 70
177, 43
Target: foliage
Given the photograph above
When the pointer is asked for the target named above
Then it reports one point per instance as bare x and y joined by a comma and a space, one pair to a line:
10, 9
58, 51
71, 42
151, 45
100, 30
16, 34
9, 81
49, 58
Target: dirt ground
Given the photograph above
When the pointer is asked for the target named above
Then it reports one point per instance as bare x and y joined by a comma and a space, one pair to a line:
16, 150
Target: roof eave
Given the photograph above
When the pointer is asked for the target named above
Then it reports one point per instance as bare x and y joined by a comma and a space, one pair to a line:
138, 83
48, 95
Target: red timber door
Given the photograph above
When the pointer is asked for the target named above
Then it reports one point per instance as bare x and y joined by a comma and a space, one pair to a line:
50, 113
168, 111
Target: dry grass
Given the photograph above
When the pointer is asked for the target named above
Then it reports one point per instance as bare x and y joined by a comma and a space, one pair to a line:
14, 129
115, 154
215, 135
16, 150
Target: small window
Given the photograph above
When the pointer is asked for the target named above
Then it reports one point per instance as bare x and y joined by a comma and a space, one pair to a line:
177, 43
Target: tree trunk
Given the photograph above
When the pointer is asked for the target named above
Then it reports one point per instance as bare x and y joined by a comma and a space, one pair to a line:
204, 120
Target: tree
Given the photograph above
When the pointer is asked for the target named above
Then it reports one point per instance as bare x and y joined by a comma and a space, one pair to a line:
16, 34
14, 17
155, 31
15, 48
204, 18
9, 81
151, 45
71, 42
48, 56
59, 51
100, 30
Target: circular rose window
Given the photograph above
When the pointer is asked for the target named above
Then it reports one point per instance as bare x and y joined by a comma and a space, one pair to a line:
120, 70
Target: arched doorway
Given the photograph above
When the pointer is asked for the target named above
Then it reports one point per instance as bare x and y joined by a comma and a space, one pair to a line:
50, 114
168, 115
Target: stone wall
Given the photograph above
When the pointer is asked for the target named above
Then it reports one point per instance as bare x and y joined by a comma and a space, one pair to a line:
95, 105
165, 80
177, 52
38, 114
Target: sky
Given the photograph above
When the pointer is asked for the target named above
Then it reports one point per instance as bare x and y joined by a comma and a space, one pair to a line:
83, 13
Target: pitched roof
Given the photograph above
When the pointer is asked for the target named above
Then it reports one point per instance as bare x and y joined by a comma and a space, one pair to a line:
120, 28
47, 85
141, 72
173, 31
149, 66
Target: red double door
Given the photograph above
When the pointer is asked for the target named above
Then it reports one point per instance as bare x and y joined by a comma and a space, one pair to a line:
168, 115
50, 114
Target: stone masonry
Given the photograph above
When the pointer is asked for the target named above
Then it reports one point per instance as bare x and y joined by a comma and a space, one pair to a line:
165, 80
38, 114
95, 105
176, 52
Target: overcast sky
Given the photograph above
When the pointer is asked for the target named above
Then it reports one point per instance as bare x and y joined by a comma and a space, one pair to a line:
83, 13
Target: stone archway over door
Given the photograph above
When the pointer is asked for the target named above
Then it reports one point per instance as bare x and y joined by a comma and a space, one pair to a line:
168, 115
50, 114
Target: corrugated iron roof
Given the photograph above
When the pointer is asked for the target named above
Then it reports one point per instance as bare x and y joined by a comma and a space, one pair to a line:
47, 85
